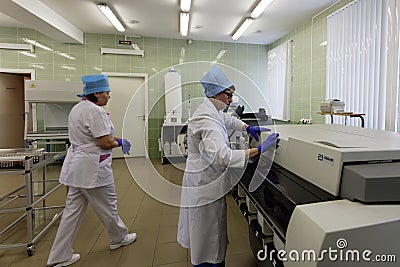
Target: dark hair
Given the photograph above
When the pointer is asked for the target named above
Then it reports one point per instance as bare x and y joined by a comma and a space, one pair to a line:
92, 98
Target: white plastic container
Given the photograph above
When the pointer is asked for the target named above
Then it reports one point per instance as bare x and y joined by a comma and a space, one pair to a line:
175, 149
167, 148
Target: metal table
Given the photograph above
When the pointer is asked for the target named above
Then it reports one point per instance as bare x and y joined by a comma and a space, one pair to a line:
346, 114
38, 215
51, 137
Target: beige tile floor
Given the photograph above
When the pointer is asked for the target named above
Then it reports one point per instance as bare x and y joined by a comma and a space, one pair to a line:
154, 222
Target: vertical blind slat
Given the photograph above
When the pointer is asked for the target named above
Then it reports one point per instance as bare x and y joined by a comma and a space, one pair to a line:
357, 60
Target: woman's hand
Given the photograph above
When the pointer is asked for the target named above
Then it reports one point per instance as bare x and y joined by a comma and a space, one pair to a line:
256, 130
125, 144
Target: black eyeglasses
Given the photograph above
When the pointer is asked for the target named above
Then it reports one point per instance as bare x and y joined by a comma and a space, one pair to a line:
229, 95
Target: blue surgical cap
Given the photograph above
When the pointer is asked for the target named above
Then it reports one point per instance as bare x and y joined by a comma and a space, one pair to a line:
94, 84
215, 81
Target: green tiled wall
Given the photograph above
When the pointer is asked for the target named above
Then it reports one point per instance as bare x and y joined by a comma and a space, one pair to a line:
309, 65
160, 54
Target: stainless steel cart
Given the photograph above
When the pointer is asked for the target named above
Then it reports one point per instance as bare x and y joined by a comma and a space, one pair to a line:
27, 203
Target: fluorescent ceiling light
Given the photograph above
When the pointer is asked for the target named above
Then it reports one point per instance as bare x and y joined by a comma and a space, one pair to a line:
65, 55
245, 25
37, 44
221, 54
185, 5
182, 52
11, 46
184, 23
68, 67
111, 17
182, 55
28, 54
136, 47
259, 9
37, 66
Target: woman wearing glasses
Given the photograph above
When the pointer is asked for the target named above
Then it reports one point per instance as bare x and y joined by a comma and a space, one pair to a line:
207, 178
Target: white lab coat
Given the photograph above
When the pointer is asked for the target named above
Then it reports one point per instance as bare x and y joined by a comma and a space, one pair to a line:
89, 180
202, 223
82, 167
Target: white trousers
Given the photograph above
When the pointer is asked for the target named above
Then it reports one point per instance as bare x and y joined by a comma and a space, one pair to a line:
104, 202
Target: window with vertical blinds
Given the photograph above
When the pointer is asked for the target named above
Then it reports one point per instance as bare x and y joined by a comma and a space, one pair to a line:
278, 81
361, 59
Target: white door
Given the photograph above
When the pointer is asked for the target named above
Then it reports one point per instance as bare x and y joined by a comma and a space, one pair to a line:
127, 112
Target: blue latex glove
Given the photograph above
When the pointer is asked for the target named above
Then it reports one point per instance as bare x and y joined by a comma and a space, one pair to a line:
126, 145
255, 130
272, 140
